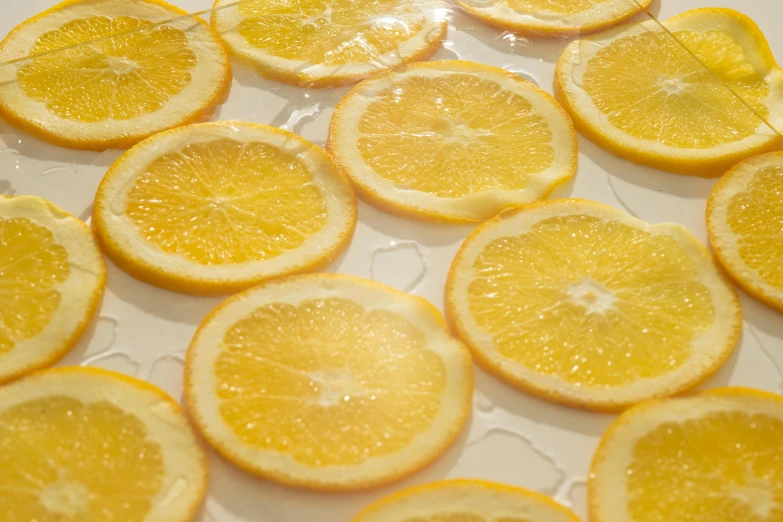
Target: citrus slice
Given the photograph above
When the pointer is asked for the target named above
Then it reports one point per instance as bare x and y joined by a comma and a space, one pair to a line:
643, 95
452, 141
51, 282
328, 382
585, 305
713, 457
216, 207
325, 43
112, 91
550, 18
85, 444
465, 501
745, 223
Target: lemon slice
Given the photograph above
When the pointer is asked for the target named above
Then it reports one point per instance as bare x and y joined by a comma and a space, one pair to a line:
711, 457
638, 93
553, 17
452, 141
51, 282
84, 444
325, 43
585, 305
328, 382
217, 207
465, 501
745, 223
110, 92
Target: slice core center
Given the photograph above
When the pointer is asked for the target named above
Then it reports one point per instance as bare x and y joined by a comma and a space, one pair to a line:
594, 297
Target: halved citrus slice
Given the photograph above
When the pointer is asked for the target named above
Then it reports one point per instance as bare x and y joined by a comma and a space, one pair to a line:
328, 382
452, 141
325, 43
549, 18
710, 457
131, 78
213, 208
51, 282
585, 305
678, 99
745, 223
83, 444
465, 501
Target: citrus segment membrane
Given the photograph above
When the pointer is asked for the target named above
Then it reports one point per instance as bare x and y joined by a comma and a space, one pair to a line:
216, 207
328, 382
465, 501
714, 456
745, 223
320, 43
85, 444
51, 280
693, 99
553, 18
414, 143
585, 305
107, 73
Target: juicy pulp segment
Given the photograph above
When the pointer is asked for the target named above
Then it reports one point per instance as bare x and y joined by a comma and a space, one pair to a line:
68, 461
427, 134
755, 215
594, 302
117, 78
226, 202
556, 6
725, 465
650, 87
327, 381
32, 265
330, 32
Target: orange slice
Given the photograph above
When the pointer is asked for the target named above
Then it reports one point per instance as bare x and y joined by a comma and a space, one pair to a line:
328, 382
671, 102
217, 207
465, 501
83, 444
325, 43
113, 91
712, 457
452, 141
582, 304
51, 282
553, 18
745, 223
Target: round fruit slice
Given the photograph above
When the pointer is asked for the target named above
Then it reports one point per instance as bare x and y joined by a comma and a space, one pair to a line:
745, 223
452, 141
317, 43
643, 95
553, 18
112, 91
465, 501
714, 456
585, 305
328, 382
51, 282
85, 444
217, 207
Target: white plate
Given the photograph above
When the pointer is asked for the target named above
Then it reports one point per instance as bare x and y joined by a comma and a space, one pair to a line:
144, 331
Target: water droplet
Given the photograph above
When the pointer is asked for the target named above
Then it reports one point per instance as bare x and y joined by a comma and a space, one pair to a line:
401, 265
508, 456
115, 361
166, 372
483, 403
